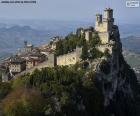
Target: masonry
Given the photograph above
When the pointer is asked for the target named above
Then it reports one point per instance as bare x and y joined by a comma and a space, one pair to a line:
104, 25
70, 58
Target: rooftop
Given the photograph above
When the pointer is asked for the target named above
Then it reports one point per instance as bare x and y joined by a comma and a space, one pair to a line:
16, 60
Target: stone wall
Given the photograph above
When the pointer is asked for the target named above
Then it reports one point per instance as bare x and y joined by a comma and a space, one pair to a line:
70, 58
104, 37
51, 62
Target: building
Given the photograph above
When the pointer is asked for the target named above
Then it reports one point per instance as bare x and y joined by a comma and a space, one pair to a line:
88, 34
70, 58
30, 63
53, 42
17, 65
104, 25
26, 49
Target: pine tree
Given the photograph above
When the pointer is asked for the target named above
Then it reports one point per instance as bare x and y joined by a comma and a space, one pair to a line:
84, 55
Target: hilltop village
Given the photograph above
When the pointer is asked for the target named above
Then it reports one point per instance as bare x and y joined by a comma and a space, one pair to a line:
101, 38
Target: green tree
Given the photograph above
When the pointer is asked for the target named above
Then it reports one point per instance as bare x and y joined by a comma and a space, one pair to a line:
69, 44
85, 54
95, 40
95, 53
59, 48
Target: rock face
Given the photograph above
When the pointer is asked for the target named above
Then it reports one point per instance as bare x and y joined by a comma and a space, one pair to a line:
117, 82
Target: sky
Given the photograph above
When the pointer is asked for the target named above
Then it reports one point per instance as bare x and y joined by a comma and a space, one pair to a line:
70, 10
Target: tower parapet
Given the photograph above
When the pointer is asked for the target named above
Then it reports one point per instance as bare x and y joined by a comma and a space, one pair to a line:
104, 25
108, 20
108, 15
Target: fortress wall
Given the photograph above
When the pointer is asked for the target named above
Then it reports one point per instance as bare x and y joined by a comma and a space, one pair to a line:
104, 37
67, 59
70, 58
51, 62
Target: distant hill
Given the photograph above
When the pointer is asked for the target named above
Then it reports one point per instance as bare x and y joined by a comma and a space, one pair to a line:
129, 30
130, 37
13, 37
131, 43
132, 59
12, 34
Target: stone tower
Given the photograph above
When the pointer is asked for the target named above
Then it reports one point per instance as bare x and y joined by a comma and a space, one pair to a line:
108, 19
98, 19
104, 25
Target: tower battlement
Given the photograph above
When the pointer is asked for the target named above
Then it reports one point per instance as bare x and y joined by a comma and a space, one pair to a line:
104, 25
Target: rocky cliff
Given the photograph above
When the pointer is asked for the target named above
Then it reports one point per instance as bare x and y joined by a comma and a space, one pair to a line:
117, 82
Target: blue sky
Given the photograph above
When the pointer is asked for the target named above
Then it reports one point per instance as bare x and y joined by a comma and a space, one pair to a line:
79, 10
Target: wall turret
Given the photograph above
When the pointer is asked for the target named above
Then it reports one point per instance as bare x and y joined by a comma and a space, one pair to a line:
105, 24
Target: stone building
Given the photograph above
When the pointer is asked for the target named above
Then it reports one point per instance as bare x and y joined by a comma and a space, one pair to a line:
17, 65
30, 63
70, 58
26, 49
88, 34
53, 42
104, 25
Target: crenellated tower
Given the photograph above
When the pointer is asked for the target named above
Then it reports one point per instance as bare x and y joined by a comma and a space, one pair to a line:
98, 19
104, 25
108, 20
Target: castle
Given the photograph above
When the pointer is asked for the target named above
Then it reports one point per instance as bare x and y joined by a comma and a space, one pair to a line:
104, 26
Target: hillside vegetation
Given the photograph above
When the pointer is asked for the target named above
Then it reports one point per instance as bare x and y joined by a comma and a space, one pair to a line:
53, 91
